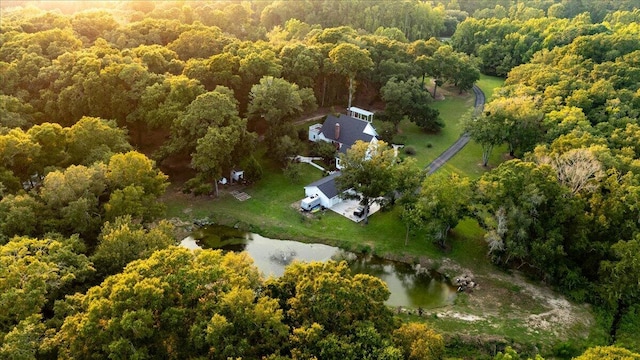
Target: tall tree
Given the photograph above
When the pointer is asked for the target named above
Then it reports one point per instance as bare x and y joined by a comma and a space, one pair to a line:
465, 73
439, 66
485, 132
72, 199
408, 178
257, 63
36, 272
367, 171
123, 241
134, 168
135, 184
444, 200
329, 295
200, 42
279, 102
408, 98
531, 219
300, 64
350, 60
93, 139
216, 108
620, 285
20, 214
214, 151
53, 147
521, 120
162, 103
19, 153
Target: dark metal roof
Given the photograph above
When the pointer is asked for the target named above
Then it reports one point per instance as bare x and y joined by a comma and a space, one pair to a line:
351, 130
327, 185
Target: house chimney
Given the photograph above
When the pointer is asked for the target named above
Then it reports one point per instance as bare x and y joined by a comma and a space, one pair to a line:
337, 131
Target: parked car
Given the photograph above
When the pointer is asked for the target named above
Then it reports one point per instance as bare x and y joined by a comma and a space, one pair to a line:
359, 211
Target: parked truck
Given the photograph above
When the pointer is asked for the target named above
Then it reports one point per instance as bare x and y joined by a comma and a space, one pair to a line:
310, 202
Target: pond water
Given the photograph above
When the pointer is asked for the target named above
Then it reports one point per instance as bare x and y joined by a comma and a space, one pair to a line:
408, 288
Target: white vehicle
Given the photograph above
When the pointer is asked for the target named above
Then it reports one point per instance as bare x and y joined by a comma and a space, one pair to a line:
310, 202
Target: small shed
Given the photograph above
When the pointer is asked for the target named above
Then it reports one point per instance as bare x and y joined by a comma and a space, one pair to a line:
325, 189
237, 175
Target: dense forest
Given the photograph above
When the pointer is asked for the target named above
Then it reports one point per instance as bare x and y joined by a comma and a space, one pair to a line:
96, 97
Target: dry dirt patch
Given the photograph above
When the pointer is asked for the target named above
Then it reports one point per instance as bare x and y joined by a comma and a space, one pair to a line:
504, 300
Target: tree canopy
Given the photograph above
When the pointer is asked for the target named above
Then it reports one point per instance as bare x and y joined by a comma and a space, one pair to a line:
367, 173
203, 83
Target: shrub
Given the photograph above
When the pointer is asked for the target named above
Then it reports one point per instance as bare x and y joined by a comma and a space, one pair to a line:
364, 249
326, 150
386, 131
198, 187
252, 170
410, 150
293, 171
303, 134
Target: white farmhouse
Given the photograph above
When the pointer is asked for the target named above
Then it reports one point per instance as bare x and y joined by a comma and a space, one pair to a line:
343, 131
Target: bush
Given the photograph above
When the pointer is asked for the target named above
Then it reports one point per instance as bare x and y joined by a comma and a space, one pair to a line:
198, 187
364, 249
566, 350
293, 171
386, 131
410, 150
326, 150
629, 328
252, 170
303, 134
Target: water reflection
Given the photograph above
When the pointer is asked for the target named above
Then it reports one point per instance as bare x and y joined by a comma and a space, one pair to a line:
408, 288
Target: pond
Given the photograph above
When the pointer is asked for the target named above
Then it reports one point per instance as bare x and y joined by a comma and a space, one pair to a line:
408, 288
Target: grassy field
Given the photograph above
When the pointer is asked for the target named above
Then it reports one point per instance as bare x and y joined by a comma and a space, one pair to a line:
273, 211
468, 161
454, 109
429, 145
499, 310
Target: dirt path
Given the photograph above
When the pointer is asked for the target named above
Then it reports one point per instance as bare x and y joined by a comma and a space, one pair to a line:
319, 114
508, 303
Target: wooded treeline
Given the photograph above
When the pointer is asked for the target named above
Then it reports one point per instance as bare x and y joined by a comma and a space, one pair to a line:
205, 80
567, 209
208, 88
77, 204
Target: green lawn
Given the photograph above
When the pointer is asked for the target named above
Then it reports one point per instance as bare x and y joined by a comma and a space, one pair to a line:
429, 146
272, 210
488, 84
453, 110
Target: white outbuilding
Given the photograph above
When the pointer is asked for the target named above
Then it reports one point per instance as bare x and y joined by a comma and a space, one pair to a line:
325, 189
